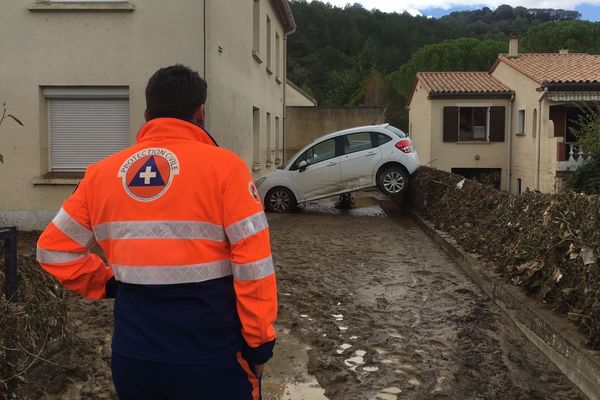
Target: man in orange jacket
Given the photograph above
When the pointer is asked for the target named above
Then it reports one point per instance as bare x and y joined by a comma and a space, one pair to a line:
188, 255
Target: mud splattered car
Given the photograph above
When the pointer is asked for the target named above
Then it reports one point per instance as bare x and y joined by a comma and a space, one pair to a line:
342, 162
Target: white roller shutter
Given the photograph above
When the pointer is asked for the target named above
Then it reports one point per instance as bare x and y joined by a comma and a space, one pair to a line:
83, 131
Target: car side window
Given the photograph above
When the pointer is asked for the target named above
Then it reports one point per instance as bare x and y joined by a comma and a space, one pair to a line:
319, 152
356, 142
380, 138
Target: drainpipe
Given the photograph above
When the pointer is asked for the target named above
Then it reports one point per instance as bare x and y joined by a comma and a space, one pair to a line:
510, 124
539, 140
284, 83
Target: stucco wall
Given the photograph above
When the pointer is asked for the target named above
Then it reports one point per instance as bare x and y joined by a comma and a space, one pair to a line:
238, 82
445, 156
304, 124
524, 145
106, 48
295, 98
419, 117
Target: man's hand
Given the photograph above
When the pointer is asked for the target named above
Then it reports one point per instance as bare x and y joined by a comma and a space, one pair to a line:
258, 369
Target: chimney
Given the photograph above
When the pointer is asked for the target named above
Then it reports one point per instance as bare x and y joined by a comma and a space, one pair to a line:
513, 46
563, 51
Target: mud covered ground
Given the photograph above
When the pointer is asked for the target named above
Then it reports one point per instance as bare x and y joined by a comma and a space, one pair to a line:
388, 315
368, 305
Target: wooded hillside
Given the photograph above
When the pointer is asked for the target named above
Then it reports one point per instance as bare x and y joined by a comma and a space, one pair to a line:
353, 56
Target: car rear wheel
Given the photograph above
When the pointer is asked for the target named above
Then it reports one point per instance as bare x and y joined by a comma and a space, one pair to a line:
280, 199
392, 180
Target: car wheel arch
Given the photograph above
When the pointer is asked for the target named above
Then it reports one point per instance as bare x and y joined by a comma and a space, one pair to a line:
389, 164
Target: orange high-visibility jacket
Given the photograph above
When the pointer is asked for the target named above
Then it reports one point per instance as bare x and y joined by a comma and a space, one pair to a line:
173, 209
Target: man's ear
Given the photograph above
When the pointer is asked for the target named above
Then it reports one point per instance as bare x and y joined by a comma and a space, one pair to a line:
200, 115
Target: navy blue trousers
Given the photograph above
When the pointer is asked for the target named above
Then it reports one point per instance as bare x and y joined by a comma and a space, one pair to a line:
229, 379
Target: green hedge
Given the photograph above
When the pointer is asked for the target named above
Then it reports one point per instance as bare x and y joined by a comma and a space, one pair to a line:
545, 243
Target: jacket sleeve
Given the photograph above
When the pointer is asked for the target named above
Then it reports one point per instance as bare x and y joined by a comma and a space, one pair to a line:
253, 270
63, 249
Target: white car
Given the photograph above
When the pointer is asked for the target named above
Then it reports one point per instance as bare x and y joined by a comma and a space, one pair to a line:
342, 162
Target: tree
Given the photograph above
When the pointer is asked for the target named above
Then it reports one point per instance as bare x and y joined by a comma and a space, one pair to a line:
586, 178
577, 36
2, 118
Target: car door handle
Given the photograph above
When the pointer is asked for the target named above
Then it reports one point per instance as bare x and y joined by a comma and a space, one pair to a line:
371, 154
331, 164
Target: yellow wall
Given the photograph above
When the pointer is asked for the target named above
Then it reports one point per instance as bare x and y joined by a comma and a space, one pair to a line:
419, 116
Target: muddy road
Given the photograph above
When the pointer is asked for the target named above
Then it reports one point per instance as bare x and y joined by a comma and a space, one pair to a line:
370, 308
387, 314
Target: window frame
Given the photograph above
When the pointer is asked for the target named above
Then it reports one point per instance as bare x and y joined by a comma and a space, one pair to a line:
521, 130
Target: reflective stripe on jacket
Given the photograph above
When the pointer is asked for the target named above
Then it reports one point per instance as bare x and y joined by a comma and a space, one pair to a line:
173, 209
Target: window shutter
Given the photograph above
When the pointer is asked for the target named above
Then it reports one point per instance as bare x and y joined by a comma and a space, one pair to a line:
497, 124
450, 124
83, 131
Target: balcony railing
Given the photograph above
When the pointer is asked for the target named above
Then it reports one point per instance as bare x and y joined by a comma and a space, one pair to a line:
570, 156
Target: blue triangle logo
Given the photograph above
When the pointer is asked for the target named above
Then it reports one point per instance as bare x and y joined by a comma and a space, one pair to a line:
148, 175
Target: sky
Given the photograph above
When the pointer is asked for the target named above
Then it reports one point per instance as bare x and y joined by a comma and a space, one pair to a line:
590, 10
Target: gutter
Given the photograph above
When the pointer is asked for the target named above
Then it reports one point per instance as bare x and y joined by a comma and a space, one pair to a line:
539, 139
284, 84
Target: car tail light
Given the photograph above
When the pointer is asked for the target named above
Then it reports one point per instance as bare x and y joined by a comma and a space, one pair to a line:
405, 146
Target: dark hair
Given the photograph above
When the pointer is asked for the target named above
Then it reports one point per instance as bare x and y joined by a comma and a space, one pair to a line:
174, 92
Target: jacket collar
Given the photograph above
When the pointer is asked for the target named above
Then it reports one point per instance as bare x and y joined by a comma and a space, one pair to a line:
172, 128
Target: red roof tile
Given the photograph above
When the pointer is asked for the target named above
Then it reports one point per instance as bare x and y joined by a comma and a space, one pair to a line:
461, 83
555, 67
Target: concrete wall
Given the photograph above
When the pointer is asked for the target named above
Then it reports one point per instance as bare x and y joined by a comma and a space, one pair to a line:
445, 156
305, 124
419, 117
123, 48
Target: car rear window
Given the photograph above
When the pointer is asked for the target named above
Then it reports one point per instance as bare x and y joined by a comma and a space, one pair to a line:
396, 131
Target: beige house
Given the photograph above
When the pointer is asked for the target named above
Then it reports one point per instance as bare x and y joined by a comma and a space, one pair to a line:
295, 96
510, 126
74, 72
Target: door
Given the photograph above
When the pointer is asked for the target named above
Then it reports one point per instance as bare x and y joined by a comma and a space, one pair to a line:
321, 175
359, 158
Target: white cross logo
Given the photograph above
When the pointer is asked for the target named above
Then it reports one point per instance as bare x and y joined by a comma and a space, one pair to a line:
148, 175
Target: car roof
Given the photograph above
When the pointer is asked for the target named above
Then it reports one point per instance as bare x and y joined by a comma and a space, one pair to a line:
349, 130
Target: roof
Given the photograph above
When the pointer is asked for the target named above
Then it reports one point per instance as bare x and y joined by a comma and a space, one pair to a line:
461, 84
555, 68
285, 13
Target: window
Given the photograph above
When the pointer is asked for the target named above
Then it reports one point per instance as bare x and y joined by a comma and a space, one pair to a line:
277, 57
256, 31
277, 143
380, 138
268, 139
519, 185
269, 45
256, 136
356, 142
474, 124
521, 122
318, 153
534, 118
85, 125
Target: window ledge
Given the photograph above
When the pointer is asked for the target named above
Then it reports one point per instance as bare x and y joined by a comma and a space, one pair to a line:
83, 6
278, 79
55, 178
519, 133
257, 167
257, 57
269, 71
